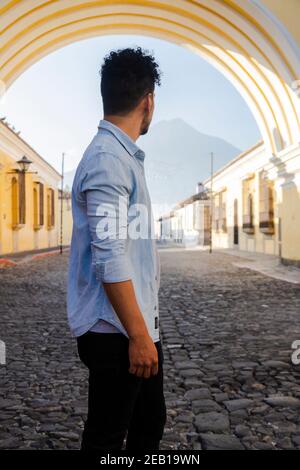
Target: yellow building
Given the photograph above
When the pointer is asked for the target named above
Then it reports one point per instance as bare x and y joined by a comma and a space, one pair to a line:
257, 204
66, 221
28, 196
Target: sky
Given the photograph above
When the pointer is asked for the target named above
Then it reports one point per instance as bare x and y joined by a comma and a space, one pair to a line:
56, 104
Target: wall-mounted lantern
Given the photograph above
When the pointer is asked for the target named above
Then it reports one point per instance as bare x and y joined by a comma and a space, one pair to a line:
24, 164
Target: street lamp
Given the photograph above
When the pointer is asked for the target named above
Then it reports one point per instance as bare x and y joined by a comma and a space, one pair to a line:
24, 164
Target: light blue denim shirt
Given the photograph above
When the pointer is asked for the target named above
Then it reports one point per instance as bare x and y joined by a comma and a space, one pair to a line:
113, 233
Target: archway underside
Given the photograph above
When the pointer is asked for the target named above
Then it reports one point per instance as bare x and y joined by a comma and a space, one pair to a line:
237, 37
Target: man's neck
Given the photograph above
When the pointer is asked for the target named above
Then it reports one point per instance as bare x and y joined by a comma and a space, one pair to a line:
130, 126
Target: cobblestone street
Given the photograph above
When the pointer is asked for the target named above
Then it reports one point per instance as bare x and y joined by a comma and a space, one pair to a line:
227, 335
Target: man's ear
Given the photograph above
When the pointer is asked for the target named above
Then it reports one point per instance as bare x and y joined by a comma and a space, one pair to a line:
147, 102
143, 104
150, 98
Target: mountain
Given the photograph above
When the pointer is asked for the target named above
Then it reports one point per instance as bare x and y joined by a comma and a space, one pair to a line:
177, 158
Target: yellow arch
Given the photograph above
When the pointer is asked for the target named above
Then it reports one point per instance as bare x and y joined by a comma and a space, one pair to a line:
239, 37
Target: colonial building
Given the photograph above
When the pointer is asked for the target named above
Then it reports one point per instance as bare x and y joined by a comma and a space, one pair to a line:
65, 218
250, 209
28, 196
256, 207
188, 223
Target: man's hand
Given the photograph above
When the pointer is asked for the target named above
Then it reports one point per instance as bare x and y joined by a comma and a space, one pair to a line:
143, 356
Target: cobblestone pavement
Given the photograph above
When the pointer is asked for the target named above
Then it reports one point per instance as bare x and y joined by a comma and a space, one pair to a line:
227, 335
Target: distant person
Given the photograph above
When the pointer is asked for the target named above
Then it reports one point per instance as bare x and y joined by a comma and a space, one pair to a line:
114, 267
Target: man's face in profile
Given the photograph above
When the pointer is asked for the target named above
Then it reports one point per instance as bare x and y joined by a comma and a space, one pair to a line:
148, 114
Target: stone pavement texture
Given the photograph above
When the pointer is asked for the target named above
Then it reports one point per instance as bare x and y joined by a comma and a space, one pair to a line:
227, 335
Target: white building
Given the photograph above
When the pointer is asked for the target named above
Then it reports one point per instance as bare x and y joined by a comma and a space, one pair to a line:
247, 202
188, 223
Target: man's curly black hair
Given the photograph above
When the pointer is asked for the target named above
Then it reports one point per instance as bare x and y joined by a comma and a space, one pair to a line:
127, 75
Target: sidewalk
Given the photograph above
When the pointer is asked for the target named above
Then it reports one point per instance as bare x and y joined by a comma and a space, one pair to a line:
269, 265
26, 256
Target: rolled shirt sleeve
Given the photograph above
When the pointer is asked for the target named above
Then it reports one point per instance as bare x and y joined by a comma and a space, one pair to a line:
107, 187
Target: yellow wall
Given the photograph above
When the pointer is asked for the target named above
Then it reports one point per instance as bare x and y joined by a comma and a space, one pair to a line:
247, 242
290, 209
291, 236
288, 12
26, 237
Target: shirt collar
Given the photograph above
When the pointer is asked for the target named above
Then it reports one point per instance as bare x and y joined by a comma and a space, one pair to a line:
123, 138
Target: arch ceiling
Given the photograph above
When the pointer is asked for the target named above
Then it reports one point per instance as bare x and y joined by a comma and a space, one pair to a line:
241, 38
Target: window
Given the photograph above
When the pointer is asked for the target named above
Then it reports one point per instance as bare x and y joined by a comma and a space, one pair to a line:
216, 213
38, 205
50, 208
266, 205
35, 208
248, 205
14, 202
220, 216
22, 199
206, 218
18, 202
223, 215
41, 204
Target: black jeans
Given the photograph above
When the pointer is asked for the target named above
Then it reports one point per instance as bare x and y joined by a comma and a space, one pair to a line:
120, 402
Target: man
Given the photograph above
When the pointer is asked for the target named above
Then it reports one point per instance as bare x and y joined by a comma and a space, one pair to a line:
114, 268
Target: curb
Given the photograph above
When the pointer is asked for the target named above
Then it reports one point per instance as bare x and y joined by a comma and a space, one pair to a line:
6, 262
47, 253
